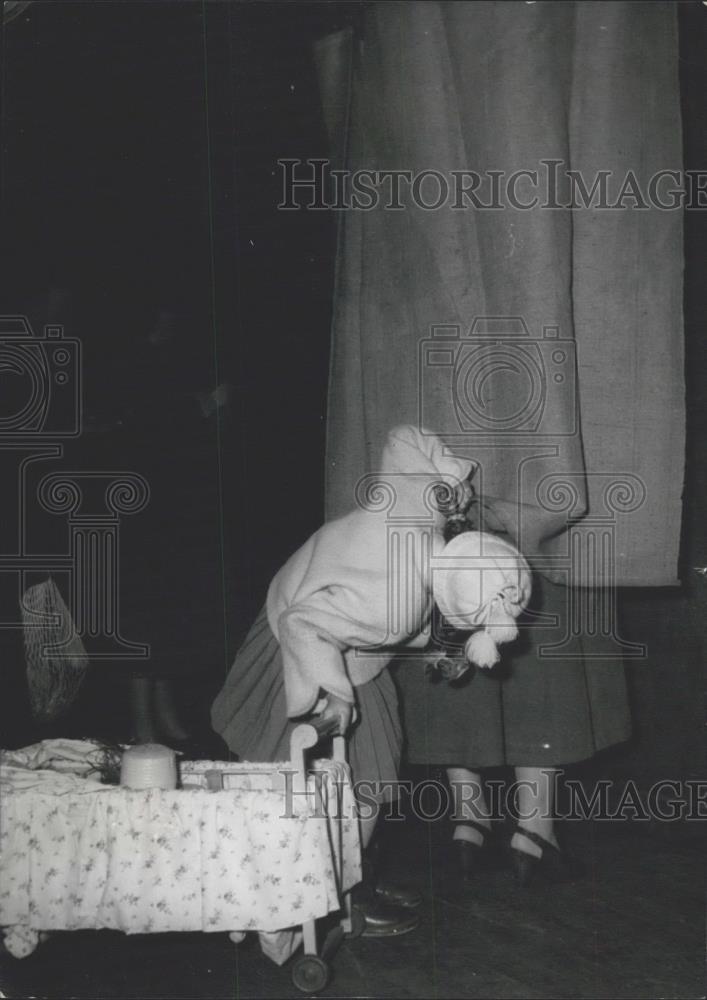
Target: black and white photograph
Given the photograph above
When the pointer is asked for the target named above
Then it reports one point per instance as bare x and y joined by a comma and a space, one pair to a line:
353, 478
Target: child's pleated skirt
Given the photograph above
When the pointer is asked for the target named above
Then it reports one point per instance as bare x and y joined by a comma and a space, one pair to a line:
250, 712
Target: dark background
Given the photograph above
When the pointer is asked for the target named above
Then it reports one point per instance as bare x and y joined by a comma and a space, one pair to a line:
139, 200
139, 209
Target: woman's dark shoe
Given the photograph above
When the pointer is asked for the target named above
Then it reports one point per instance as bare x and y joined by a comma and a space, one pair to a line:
555, 864
469, 857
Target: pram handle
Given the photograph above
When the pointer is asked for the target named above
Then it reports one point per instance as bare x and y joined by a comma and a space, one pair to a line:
307, 734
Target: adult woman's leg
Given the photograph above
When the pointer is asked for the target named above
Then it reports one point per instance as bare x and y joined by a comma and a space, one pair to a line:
535, 800
469, 808
471, 820
535, 851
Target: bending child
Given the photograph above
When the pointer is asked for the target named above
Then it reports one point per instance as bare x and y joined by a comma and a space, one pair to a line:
325, 636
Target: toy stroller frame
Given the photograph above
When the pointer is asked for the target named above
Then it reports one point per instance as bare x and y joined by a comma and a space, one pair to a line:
311, 971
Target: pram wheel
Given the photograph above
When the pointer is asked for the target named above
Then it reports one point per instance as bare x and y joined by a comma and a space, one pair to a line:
310, 974
358, 923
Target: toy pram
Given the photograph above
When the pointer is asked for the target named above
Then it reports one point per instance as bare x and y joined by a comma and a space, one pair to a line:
240, 847
325, 786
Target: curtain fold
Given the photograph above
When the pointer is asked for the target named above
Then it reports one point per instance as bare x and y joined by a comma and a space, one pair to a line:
543, 342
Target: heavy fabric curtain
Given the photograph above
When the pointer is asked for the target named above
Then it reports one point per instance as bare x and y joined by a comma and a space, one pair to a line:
516, 286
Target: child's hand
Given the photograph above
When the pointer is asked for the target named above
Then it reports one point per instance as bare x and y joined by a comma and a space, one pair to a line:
342, 711
452, 668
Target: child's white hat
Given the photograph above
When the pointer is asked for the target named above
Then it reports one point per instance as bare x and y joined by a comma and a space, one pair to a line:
481, 582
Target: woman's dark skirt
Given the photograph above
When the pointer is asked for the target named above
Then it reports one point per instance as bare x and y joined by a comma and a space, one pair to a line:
533, 709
